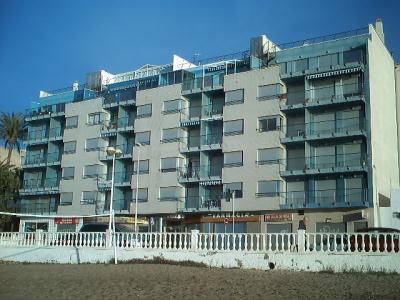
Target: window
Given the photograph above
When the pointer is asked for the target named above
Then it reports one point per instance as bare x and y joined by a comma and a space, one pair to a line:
268, 188
143, 194
89, 197
66, 198
143, 138
168, 164
172, 106
233, 127
268, 123
171, 193
70, 147
68, 173
92, 144
233, 159
329, 60
270, 91
71, 122
144, 111
143, 167
353, 56
170, 135
91, 171
234, 97
235, 186
268, 156
301, 65
94, 119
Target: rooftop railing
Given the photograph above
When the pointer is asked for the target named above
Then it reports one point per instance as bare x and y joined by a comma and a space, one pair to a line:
325, 38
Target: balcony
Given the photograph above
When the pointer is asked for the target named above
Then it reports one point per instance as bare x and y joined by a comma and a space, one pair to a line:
45, 112
190, 116
211, 142
206, 83
34, 161
43, 136
53, 159
40, 187
125, 97
121, 205
188, 174
357, 197
125, 124
104, 182
189, 144
324, 130
324, 164
335, 96
212, 111
199, 204
109, 128
123, 179
38, 208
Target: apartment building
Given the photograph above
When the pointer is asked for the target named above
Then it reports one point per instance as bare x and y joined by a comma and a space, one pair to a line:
305, 129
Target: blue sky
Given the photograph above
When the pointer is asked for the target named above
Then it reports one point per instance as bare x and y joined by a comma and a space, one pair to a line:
49, 44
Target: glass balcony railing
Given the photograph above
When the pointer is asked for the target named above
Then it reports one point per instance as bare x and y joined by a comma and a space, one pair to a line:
322, 95
38, 208
215, 81
197, 203
211, 139
211, 110
36, 159
198, 173
189, 113
123, 177
119, 96
54, 157
338, 161
39, 184
325, 198
190, 143
121, 204
329, 127
125, 123
37, 135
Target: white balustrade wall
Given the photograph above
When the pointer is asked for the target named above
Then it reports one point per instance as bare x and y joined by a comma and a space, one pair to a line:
301, 241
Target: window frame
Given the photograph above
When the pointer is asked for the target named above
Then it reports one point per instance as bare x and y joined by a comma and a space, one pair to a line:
71, 126
278, 126
168, 170
140, 199
172, 111
173, 140
82, 202
143, 143
147, 115
62, 203
235, 164
236, 132
68, 177
98, 147
237, 195
269, 162
93, 175
134, 171
277, 94
176, 198
70, 151
234, 101
269, 194
96, 115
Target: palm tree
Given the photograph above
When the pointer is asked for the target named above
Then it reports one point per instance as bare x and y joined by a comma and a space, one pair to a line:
11, 130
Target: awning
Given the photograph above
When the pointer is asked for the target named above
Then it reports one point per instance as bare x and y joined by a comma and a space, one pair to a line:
211, 182
334, 73
190, 123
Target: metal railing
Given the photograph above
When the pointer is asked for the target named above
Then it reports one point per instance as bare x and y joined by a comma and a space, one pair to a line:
193, 173
300, 242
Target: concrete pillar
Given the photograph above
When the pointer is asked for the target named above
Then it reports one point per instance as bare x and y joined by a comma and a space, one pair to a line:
301, 240
194, 239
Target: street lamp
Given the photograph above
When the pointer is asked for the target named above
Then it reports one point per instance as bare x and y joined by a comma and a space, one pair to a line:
114, 152
137, 184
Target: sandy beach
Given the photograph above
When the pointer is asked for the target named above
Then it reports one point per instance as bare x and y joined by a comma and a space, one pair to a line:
161, 281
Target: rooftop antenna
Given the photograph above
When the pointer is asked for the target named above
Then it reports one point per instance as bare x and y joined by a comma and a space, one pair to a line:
195, 55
